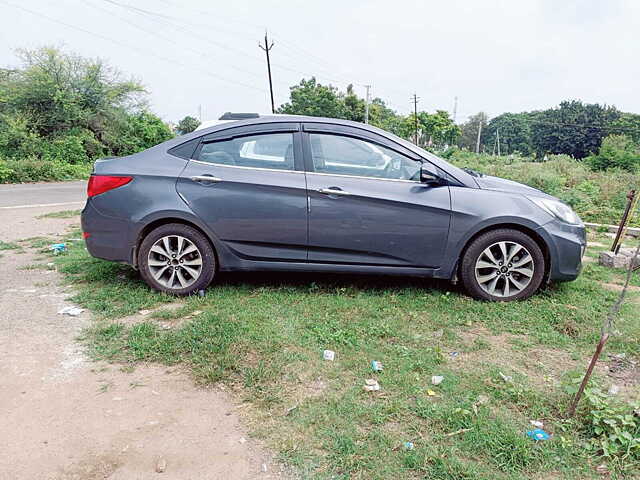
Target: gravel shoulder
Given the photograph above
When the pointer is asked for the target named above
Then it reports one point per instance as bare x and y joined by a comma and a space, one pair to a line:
66, 417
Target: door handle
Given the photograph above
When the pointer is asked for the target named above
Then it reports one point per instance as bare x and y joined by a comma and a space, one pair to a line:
205, 178
332, 191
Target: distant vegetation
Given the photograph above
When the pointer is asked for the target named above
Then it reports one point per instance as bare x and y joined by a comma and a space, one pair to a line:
59, 112
597, 196
574, 128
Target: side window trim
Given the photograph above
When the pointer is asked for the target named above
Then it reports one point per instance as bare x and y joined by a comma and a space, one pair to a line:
248, 130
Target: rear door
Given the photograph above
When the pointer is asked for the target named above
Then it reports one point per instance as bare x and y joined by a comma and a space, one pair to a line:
248, 185
366, 202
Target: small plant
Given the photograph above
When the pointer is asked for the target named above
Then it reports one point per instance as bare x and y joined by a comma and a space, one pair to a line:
613, 427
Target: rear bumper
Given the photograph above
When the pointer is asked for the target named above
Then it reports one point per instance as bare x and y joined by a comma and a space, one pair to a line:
109, 237
567, 244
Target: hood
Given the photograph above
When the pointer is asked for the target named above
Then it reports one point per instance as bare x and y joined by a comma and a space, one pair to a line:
488, 182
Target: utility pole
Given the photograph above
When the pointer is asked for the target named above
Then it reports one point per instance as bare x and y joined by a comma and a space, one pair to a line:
266, 49
479, 132
200, 113
498, 135
366, 105
415, 113
455, 108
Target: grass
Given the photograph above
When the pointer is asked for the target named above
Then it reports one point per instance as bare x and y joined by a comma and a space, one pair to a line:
263, 336
9, 246
61, 214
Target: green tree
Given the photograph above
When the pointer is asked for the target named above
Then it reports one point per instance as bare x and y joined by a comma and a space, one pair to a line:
384, 117
187, 125
469, 132
64, 109
433, 129
314, 99
514, 132
616, 151
574, 128
627, 124
353, 106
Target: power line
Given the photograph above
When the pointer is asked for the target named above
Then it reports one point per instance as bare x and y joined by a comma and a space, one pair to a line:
129, 46
172, 22
172, 41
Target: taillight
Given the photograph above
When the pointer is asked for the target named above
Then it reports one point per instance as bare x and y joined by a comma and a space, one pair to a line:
103, 183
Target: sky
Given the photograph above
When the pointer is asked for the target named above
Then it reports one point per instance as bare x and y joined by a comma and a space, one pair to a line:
493, 55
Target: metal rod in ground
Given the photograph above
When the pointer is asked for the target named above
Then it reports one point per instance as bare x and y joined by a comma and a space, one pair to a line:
623, 221
587, 376
607, 326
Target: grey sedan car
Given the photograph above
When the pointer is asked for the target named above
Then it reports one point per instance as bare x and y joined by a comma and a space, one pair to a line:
308, 194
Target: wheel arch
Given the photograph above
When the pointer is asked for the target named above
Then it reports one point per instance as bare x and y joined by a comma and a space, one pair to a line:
514, 226
158, 222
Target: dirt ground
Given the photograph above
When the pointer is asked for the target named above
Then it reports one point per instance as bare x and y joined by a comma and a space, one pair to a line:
66, 417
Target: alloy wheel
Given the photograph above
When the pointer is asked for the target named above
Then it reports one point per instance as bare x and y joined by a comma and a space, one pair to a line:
175, 262
504, 269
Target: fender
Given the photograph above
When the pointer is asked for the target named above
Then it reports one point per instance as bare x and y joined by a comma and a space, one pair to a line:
460, 238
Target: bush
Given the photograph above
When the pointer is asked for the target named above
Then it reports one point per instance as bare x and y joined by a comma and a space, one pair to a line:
616, 151
33, 169
60, 112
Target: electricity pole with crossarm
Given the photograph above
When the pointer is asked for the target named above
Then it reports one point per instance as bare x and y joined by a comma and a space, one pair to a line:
266, 49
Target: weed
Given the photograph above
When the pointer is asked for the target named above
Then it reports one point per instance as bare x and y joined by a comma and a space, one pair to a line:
61, 214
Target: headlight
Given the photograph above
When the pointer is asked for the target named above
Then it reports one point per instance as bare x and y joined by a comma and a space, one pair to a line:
557, 209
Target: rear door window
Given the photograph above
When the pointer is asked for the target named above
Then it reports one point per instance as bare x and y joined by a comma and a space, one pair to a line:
269, 150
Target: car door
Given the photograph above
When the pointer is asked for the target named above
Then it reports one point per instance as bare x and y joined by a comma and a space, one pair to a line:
366, 202
248, 185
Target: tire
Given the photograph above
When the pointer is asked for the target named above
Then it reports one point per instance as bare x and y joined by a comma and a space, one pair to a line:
502, 265
176, 259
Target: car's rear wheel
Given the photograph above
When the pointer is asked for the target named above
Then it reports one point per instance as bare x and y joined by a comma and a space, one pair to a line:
502, 265
176, 259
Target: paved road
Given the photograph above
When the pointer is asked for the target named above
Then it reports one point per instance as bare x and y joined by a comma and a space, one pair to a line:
59, 194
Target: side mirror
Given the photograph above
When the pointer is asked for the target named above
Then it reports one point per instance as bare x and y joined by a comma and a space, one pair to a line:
429, 178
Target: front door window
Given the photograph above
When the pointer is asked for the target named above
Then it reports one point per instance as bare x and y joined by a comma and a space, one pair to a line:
342, 155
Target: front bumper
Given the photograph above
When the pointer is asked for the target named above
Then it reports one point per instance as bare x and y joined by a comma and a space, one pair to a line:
567, 244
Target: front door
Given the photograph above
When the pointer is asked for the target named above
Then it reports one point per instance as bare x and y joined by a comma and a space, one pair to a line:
248, 185
367, 205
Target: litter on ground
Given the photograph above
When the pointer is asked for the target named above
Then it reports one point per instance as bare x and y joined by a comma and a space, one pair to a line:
72, 311
376, 366
329, 355
538, 434
371, 385
436, 379
58, 248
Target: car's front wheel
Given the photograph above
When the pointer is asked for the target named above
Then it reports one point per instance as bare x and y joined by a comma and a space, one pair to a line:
176, 259
502, 265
